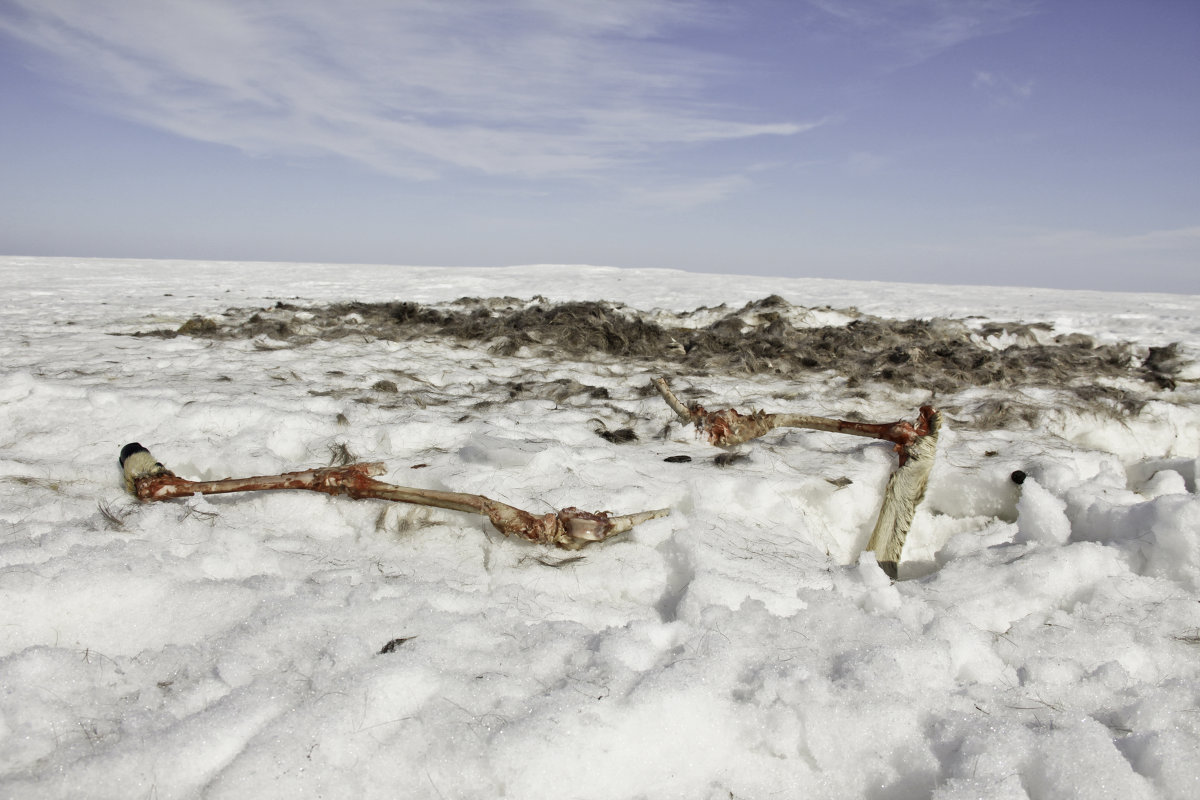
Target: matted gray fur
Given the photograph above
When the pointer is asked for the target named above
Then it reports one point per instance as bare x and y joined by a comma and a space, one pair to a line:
939, 357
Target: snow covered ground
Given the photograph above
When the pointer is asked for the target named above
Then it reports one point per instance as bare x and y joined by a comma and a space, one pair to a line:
1044, 644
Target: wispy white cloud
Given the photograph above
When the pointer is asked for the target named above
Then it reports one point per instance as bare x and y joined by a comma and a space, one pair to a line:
414, 88
683, 195
1003, 90
915, 30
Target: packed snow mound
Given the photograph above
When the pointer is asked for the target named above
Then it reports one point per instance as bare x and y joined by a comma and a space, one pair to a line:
1042, 643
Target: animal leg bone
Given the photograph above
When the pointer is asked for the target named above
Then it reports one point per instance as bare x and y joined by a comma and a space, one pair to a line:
569, 528
915, 445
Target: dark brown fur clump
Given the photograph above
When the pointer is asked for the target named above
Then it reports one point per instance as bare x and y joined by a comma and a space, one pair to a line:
765, 337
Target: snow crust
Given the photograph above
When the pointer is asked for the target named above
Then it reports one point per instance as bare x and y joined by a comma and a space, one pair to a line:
1045, 644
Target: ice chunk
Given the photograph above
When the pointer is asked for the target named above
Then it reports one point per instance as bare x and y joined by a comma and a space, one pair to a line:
1041, 516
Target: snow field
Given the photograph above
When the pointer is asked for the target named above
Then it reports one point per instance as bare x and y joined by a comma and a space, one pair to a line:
1044, 645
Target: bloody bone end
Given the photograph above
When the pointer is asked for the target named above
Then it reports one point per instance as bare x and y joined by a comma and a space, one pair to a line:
723, 428
582, 527
905, 435
728, 427
569, 529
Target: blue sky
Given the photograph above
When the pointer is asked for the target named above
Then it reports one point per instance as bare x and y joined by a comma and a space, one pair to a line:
1009, 142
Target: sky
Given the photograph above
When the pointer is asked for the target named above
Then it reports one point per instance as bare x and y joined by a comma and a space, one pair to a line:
992, 142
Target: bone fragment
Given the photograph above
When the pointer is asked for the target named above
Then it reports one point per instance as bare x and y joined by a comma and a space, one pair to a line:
569, 528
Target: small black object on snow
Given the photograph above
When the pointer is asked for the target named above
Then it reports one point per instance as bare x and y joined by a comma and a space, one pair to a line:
391, 646
619, 436
729, 459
